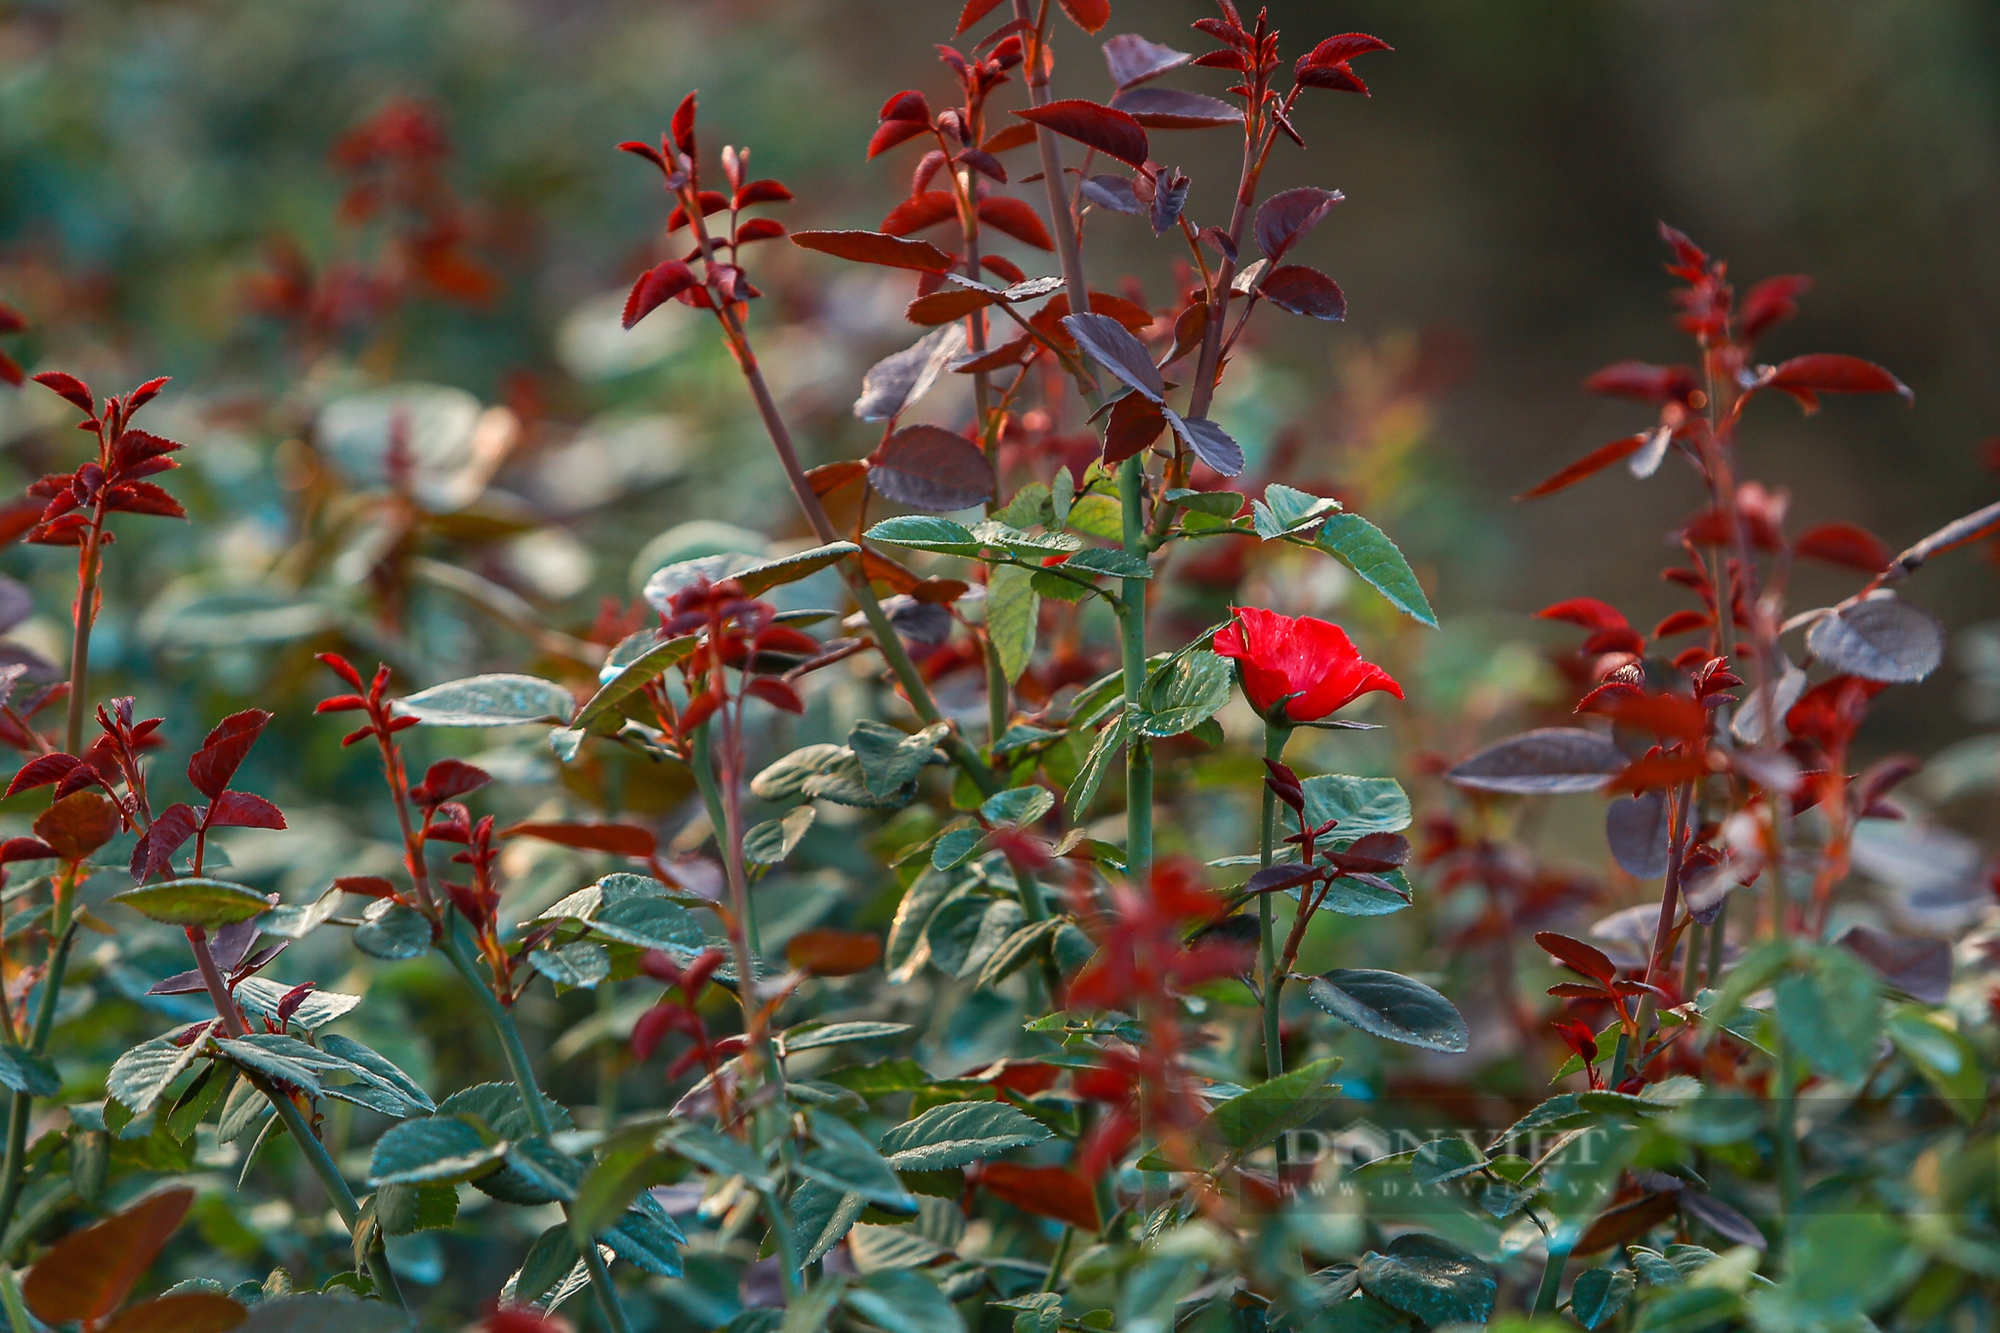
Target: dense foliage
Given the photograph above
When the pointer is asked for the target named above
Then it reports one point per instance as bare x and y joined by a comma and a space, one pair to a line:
957, 904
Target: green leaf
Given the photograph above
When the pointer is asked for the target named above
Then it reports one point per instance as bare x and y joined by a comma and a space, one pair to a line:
1216, 504
759, 579
1027, 545
489, 701
312, 1312
195, 902
549, 1260
1113, 738
1020, 806
260, 998
1190, 689
922, 532
822, 1216
404, 1209
1694, 1310
28, 1071
1361, 546
1445, 1159
1114, 563
813, 1038
393, 932
1946, 1059
716, 1152
1600, 1293
1832, 1013
890, 759
354, 1053
1362, 805
950, 1136
1254, 1118
438, 1149
1033, 503
578, 966
956, 845
853, 1170
1361, 1314
769, 843
786, 779
649, 923
1013, 609
140, 1075
1432, 1279
1391, 1006
633, 678
646, 1237
904, 954
294, 921
883, 1077
1016, 951
1285, 510
1098, 516
903, 1300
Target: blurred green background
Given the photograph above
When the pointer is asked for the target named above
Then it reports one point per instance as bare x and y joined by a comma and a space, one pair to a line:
178, 194
1503, 185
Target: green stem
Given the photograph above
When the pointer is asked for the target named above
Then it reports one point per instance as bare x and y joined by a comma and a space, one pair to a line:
1552, 1275
997, 700
1618, 1057
1054, 1278
10, 1299
711, 799
335, 1185
1273, 984
1787, 1130
79, 651
1132, 643
523, 1072
22, 1110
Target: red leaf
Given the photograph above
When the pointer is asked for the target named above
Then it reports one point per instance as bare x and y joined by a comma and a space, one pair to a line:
929, 467
1589, 465
826, 952
1285, 218
974, 11
142, 497
1110, 132
759, 229
1345, 47
1846, 544
830, 477
40, 772
647, 151
240, 809
366, 886
1172, 109
1003, 268
1048, 321
892, 132
1017, 219
776, 693
762, 192
1574, 953
78, 824
10, 370
1046, 1191
1681, 622
1304, 291
1661, 714
683, 124
656, 287
70, 388
943, 307
11, 320
1090, 15
1587, 612
25, 849
1133, 59
1804, 377
89, 1272
1770, 302
920, 211
712, 202
155, 849
1008, 138
618, 839
448, 778
1134, 424
219, 756
1648, 383
873, 247
1660, 770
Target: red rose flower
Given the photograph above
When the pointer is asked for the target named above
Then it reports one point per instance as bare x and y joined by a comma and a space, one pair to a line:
1313, 660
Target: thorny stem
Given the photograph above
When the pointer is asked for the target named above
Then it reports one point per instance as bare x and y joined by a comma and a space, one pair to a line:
1682, 833
64, 925
530, 1092
377, 1259
1132, 641
85, 618
1067, 249
1274, 1054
